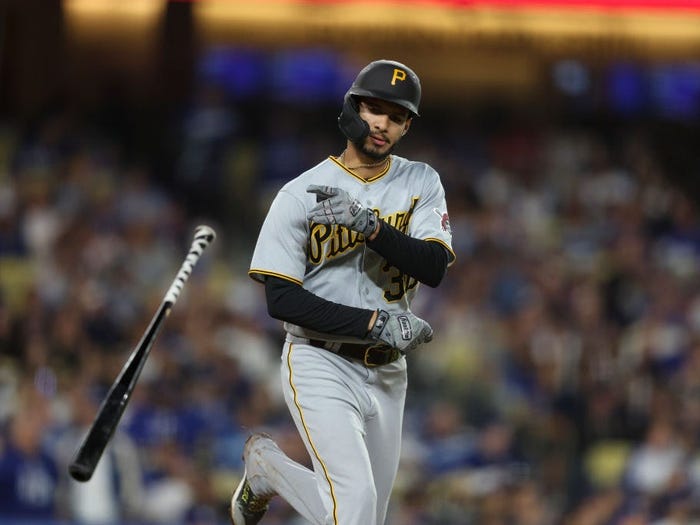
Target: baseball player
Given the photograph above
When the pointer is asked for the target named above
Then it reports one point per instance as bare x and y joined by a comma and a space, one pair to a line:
341, 253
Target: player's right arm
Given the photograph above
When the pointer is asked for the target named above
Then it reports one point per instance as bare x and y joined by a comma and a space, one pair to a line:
288, 301
279, 261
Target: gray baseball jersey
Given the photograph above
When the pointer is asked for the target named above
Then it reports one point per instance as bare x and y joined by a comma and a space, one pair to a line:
408, 195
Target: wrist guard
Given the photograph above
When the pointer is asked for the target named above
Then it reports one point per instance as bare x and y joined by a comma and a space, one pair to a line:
379, 324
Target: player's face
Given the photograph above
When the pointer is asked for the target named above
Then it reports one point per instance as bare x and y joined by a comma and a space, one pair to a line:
388, 122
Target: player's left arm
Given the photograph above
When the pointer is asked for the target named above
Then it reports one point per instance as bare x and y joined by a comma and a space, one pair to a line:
422, 258
424, 252
425, 261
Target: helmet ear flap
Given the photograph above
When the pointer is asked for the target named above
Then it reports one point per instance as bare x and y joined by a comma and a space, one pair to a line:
350, 122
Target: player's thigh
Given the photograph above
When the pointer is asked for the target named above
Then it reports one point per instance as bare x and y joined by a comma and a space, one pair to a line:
327, 398
328, 404
384, 430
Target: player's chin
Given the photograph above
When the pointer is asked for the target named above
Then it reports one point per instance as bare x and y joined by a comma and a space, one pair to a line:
377, 152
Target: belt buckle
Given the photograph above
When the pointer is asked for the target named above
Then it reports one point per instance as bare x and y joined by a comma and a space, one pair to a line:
382, 349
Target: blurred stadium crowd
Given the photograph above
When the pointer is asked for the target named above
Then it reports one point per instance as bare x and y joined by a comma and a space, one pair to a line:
562, 387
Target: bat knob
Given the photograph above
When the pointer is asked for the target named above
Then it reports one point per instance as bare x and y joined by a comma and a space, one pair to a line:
204, 231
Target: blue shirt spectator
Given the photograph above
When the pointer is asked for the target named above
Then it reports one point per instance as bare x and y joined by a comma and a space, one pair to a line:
28, 474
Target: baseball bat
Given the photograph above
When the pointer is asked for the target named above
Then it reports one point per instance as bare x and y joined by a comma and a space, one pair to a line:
119, 394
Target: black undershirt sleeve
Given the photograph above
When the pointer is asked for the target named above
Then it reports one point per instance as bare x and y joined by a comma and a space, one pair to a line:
425, 261
288, 301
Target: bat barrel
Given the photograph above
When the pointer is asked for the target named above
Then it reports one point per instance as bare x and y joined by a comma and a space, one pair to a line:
81, 471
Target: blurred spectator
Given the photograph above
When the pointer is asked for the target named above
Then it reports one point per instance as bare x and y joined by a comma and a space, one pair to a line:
12, 240
206, 130
448, 441
657, 464
494, 462
170, 484
114, 493
28, 472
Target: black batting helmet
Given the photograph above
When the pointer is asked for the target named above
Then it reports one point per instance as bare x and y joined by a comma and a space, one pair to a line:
388, 80
384, 79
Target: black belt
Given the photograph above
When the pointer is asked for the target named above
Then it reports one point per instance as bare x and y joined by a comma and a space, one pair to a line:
370, 355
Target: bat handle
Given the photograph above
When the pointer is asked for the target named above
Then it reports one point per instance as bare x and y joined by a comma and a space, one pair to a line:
203, 237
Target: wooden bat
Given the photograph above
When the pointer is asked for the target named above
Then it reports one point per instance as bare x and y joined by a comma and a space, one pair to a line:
119, 394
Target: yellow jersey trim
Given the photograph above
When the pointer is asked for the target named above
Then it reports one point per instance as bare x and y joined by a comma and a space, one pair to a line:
371, 179
447, 247
259, 275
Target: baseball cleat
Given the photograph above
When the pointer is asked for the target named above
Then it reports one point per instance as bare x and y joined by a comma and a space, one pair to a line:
248, 508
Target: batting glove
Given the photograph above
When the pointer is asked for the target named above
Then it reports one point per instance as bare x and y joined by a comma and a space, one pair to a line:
337, 206
402, 331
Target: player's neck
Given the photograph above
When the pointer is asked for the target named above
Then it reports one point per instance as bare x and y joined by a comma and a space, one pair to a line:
363, 166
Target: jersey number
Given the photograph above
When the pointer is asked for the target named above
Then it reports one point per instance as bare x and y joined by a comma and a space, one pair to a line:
399, 283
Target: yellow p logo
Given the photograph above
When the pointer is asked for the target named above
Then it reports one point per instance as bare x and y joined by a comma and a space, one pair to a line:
399, 74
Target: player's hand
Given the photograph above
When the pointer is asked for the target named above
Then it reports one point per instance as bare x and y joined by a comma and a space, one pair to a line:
403, 331
337, 206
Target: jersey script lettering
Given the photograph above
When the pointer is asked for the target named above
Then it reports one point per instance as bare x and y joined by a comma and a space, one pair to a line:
329, 241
